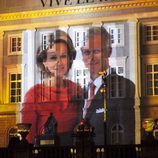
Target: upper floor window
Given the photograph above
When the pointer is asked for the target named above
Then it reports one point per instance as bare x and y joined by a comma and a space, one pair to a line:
15, 44
117, 132
151, 33
152, 79
15, 88
46, 40
80, 37
117, 34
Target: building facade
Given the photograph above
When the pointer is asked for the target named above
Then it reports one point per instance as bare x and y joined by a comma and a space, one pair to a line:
133, 26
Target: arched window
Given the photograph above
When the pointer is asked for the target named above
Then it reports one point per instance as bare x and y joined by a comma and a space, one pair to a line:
117, 132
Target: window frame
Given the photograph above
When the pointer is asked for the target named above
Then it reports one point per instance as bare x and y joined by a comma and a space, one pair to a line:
12, 69
119, 62
119, 33
11, 36
82, 32
117, 133
151, 34
46, 34
147, 60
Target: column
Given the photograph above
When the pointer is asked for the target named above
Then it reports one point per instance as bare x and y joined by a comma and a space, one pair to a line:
134, 66
1, 65
28, 61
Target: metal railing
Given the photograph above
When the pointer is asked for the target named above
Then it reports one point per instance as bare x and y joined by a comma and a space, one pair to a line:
109, 151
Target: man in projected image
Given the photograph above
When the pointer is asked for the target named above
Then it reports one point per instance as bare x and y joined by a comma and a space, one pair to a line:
96, 52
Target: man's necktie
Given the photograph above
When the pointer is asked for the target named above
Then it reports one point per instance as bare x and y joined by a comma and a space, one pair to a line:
89, 100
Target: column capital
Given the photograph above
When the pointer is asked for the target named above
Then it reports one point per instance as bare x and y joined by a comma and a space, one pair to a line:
133, 19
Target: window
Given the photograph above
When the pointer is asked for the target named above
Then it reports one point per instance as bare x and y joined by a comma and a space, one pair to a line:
80, 37
46, 39
151, 33
117, 134
116, 82
152, 79
82, 78
15, 44
117, 34
15, 88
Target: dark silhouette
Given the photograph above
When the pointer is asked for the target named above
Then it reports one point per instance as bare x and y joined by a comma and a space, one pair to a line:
50, 127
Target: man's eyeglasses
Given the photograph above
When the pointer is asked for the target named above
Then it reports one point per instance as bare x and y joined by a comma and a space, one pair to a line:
88, 51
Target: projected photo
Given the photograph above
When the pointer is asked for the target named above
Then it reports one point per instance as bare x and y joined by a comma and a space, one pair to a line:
74, 81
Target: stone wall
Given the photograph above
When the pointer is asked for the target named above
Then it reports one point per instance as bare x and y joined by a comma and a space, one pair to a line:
7, 121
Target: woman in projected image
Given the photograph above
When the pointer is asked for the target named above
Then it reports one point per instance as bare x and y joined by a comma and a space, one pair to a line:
55, 94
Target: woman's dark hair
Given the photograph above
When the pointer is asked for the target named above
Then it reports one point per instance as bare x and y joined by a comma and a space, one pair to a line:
60, 37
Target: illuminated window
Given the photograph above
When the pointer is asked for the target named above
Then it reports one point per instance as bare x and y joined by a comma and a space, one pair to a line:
151, 33
15, 88
116, 82
117, 34
117, 134
152, 79
14, 44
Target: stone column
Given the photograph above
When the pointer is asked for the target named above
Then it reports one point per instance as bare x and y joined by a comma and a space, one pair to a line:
1, 65
135, 73
28, 60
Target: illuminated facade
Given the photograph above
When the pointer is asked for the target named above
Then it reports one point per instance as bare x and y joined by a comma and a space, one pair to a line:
133, 26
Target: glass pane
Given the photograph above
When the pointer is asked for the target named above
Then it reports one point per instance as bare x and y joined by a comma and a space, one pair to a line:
19, 85
113, 94
155, 38
19, 77
148, 28
13, 49
149, 84
19, 99
120, 128
78, 72
120, 93
19, 91
155, 67
113, 70
156, 91
155, 27
13, 85
149, 77
13, 77
149, 92
13, 92
155, 76
155, 32
19, 49
149, 68
120, 70
120, 138
12, 99
148, 32
13, 40
114, 128
156, 83
148, 38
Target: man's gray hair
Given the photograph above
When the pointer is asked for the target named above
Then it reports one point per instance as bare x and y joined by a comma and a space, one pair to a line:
93, 31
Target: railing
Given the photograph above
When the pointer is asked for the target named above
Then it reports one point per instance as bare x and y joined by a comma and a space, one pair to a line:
110, 151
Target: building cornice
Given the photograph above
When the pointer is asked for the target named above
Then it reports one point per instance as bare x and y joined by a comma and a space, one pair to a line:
113, 6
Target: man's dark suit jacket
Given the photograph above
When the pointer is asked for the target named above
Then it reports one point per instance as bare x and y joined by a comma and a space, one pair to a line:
95, 116
120, 111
